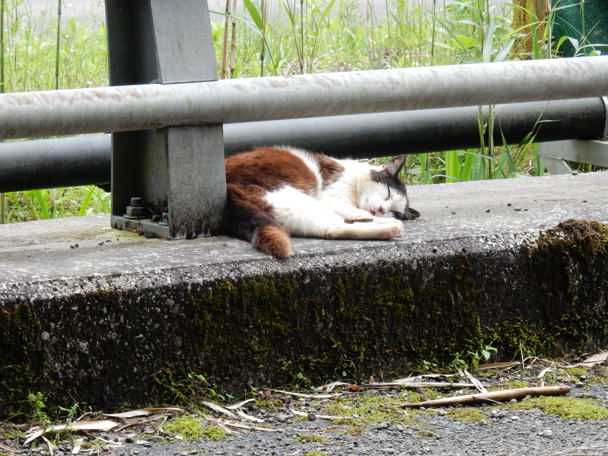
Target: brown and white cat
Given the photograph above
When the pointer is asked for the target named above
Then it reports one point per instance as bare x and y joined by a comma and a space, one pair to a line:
275, 192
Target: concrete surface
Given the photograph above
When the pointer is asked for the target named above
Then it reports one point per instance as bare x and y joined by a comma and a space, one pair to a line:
95, 315
490, 215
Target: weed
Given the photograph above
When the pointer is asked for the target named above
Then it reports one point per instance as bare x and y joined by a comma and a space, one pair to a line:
191, 429
316, 453
37, 405
570, 408
467, 414
311, 438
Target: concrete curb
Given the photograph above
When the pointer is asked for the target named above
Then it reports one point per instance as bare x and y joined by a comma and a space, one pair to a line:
88, 314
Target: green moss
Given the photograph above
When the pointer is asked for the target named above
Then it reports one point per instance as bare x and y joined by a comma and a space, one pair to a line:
467, 414
23, 367
311, 438
191, 429
571, 408
316, 453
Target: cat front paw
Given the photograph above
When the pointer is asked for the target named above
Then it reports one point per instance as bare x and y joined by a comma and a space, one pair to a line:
391, 229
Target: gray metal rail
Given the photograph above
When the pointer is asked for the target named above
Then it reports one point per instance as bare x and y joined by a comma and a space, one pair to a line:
153, 106
46, 163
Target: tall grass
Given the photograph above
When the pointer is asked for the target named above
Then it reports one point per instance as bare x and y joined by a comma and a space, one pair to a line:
279, 37
43, 53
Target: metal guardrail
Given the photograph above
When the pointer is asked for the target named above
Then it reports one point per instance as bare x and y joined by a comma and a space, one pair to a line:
81, 160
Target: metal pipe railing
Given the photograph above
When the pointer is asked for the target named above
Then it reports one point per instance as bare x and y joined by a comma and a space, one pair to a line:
46, 163
152, 106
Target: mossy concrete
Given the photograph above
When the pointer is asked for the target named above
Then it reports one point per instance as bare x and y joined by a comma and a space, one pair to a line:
91, 315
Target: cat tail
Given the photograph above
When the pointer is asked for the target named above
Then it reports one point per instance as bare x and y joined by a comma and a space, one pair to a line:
246, 221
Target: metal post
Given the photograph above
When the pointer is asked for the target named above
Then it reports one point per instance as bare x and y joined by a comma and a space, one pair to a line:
177, 171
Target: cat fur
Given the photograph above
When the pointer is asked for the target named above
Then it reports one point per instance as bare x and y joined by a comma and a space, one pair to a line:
275, 192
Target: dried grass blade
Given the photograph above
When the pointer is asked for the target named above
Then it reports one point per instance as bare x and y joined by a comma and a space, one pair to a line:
238, 405
100, 425
219, 409
50, 445
77, 446
330, 387
598, 358
143, 412
474, 381
322, 417
249, 417
312, 396
498, 396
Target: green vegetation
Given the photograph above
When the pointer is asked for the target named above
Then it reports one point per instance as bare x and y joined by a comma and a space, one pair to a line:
567, 407
311, 36
311, 438
468, 414
191, 429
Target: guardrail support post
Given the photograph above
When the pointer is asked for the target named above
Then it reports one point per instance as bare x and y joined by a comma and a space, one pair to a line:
178, 172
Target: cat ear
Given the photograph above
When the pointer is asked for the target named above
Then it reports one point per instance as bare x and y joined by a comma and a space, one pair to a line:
394, 166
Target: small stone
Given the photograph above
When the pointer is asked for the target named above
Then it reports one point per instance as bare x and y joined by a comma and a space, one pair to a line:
546, 433
514, 418
387, 450
283, 417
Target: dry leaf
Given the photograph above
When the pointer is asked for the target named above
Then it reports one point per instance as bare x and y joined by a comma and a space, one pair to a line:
143, 412
219, 409
238, 405
598, 358
101, 425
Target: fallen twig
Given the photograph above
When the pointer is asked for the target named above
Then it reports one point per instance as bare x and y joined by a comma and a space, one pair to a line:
474, 381
494, 396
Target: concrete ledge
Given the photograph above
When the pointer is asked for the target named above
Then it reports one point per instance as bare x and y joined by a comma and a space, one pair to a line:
93, 315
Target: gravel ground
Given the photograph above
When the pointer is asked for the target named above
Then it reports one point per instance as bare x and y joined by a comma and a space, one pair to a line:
373, 423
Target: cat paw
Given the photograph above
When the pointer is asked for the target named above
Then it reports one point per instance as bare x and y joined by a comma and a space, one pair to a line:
391, 231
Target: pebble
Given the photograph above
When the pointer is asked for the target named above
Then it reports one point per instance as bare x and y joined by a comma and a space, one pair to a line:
546, 433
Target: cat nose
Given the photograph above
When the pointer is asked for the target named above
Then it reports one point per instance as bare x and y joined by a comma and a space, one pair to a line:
382, 210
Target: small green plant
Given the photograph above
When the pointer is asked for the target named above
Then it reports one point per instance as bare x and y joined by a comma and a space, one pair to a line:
311, 438
36, 402
189, 390
316, 453
71, 412
191, 429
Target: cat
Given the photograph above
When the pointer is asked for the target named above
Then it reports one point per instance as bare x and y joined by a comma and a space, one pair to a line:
275, 192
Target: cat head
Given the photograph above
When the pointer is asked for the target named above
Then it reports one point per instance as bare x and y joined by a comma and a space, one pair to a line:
384, 194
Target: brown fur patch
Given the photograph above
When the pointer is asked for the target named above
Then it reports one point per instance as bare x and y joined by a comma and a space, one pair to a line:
329, 168
270, 169
273, 240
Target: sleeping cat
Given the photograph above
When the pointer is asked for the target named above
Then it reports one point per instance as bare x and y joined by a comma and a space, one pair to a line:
275, 192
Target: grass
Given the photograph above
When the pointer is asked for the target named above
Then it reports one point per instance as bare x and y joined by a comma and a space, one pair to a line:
298, 36
192, 430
